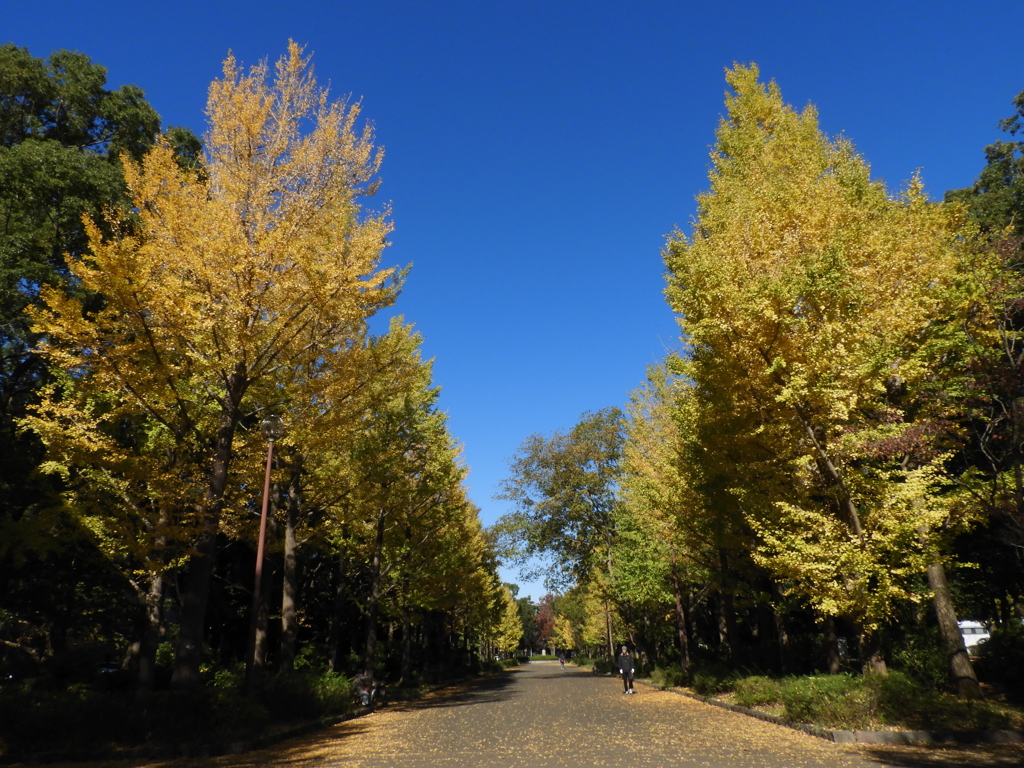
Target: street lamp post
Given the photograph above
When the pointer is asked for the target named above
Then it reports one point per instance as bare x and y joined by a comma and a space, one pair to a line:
272, 428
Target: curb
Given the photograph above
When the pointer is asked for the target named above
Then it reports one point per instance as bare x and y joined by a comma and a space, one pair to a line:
840, 736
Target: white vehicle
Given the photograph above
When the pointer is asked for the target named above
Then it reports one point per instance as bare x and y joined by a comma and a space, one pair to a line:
974, 633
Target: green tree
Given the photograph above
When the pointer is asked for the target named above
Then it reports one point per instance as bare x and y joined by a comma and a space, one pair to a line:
995, 360
62, 134
565, 490
996, 201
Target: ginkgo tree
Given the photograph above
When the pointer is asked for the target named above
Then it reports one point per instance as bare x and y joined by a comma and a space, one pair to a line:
216, 283
806, 295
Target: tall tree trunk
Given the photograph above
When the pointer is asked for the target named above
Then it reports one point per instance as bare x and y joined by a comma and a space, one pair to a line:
832, 659
952, 640
677, 593
608, 628
781, 632
189, 651
149, 639
727, 635
406, 669
370, 650
607, 602
290, 583
152, 627
337, 609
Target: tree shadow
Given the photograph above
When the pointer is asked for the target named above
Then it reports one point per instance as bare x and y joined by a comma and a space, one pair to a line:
477, 691
951, 756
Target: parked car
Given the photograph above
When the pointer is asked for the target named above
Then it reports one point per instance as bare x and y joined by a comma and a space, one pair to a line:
974, 633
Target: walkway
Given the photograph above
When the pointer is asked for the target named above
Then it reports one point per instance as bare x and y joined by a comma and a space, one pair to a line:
539, 716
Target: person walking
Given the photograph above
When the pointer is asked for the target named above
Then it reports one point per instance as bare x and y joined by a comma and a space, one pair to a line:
626, 670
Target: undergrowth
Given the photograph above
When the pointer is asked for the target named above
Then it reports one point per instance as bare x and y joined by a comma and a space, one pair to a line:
855, 702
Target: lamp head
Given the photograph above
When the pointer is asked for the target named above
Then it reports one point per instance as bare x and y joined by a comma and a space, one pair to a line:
272, 427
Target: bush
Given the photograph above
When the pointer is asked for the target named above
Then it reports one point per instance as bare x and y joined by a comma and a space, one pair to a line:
82, 719
756, 691
1001, 659
922, 656
839, 701
899, 696
669, 677
714, 679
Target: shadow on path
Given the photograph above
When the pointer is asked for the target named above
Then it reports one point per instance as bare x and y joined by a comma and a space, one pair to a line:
954, 756
479, 691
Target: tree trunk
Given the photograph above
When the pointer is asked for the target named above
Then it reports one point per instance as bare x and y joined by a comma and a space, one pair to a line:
149, 638
953, 641
607, 603
370, 650
334, 643
189, 651
608, 629
832, 472
781, 632
871, 659
290, 583
677, 592
406, 670
728, 637
832, 659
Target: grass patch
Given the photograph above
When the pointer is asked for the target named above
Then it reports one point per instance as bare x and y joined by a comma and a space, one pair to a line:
854, 702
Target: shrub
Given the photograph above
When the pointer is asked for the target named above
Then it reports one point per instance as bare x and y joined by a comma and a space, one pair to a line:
839, 701
1001, 659
899, 696
709, 680
757, 690
669, 677
922, 656
333, 693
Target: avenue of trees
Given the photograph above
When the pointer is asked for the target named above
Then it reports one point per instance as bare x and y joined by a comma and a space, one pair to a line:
161, 297
825, 476
828, 474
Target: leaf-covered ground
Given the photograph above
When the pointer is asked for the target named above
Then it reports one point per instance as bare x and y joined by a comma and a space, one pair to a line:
539, 717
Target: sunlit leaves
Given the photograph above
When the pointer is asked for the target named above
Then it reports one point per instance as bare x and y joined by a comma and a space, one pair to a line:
807, 297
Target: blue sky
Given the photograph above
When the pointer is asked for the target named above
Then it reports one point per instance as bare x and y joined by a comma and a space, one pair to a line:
537, 153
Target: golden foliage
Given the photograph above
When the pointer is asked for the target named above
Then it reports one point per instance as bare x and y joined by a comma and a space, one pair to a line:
218, 296
807, 296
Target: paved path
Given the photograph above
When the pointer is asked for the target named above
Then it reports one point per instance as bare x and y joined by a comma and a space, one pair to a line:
538, 716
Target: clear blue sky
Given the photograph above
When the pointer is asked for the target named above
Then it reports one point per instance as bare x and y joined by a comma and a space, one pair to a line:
537, 152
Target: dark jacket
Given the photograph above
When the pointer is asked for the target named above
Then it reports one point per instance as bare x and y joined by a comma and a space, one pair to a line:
625, 664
